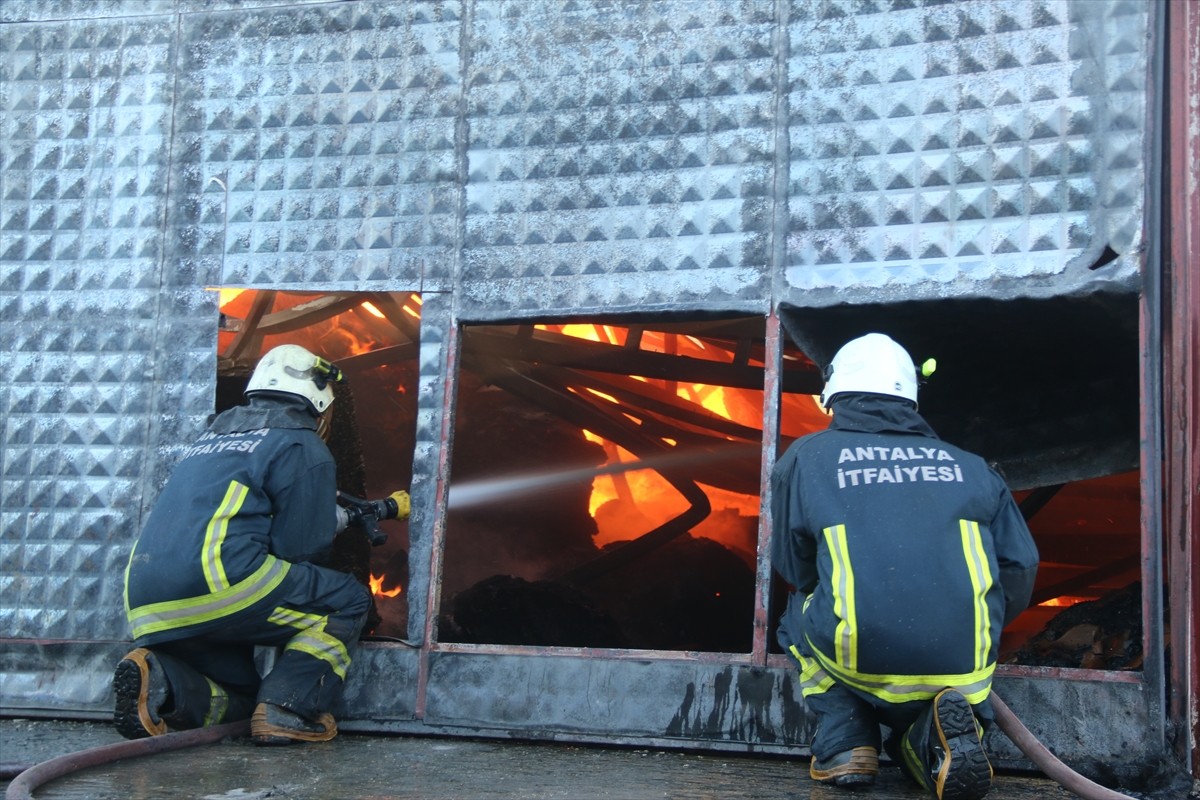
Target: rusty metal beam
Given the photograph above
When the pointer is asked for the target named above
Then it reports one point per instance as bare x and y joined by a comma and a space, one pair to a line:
714, 459
1085, 580
393, 311
247, 337
1037, 499
298, 316
543, 347
1181, 197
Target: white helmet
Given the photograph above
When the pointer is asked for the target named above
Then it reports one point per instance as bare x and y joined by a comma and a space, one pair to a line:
290, 369
872, 363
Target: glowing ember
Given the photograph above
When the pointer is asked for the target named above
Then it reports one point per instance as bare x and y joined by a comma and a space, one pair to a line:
603, 396
1059, 602
711, 397
378, 590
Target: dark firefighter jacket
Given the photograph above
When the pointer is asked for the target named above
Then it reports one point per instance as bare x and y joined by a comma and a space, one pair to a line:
255, 492
907, 555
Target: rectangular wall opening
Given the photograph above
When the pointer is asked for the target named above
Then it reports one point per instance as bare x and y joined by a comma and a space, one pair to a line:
373, 337
605, 484
1047, 391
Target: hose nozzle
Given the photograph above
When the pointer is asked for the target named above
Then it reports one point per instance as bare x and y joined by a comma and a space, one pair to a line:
365, 514
396, 505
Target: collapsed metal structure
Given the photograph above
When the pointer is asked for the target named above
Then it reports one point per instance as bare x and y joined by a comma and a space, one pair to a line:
726, 191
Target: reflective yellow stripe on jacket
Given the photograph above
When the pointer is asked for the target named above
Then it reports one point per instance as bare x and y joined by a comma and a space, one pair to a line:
225, 598
842, 665
981, 582
214, 536
813, 679
902, 688
845, 638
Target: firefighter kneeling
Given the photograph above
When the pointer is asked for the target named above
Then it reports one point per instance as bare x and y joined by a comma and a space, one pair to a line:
907, 557
229, 559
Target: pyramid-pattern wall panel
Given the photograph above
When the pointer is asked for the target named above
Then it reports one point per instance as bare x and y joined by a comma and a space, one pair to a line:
940, 148
519, 159
317, 145
85, 124
51, 10
619, 155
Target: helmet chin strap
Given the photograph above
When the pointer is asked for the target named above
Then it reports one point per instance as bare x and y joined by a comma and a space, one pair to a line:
324, 426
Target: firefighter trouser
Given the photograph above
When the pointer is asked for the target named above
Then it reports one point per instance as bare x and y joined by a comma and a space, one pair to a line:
315, 615
847, 719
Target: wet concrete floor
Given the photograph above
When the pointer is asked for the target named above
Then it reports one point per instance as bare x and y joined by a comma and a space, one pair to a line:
375, 767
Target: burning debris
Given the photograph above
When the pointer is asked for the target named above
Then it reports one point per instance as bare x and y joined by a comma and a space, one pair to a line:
630, 531
693, 593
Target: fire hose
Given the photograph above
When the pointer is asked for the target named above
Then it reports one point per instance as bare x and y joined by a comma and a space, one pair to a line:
1046, 761
30, 779
23, 785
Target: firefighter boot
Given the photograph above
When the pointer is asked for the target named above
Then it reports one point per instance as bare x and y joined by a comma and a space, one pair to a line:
276, 725
943, 750
141, 690
856, 767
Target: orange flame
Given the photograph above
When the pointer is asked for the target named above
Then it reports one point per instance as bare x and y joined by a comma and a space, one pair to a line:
378, 590
642, 499
1064, 601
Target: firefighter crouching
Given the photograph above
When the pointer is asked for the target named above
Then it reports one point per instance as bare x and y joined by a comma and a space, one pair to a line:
907, 556
229, 559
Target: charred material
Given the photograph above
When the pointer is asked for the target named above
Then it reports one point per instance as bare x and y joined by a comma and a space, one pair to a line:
1096, 634
503, 609
533, 535
691, 594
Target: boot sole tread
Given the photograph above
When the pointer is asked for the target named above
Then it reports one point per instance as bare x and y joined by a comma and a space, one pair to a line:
127, 686
967, 774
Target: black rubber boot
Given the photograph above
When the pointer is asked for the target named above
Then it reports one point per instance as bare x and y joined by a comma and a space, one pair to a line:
276, 725
140, 688
855, 767
943, 750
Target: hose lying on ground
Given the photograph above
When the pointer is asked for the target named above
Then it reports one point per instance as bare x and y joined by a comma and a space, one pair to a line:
23, 785
1040, 755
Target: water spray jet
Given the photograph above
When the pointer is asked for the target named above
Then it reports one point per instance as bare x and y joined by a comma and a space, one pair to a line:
478, 492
